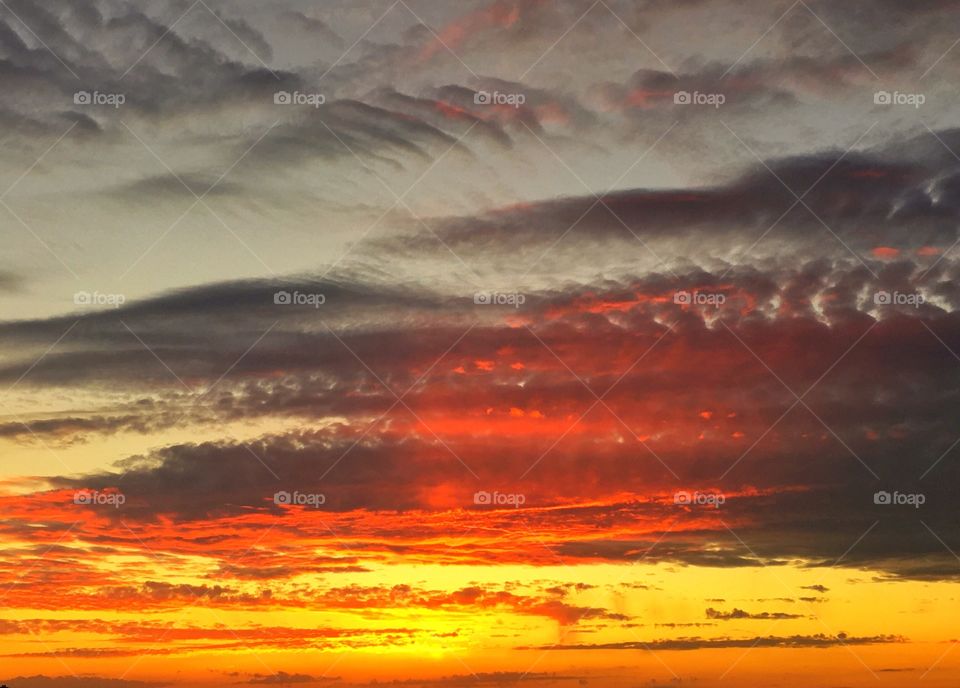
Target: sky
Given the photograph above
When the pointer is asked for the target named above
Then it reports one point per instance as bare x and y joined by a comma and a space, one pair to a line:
608, 343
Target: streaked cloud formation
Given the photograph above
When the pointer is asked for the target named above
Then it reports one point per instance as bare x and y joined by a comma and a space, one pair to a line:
384, 340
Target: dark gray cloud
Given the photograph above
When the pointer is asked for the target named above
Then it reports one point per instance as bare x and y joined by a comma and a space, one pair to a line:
795, 641
857, 205
888, 394
739, 614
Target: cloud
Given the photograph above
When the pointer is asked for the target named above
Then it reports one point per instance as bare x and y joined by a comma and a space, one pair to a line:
485, 374
473, 597
283, 678
492, 677
41, 681
795, 393
738, 614
863, 198
795, 641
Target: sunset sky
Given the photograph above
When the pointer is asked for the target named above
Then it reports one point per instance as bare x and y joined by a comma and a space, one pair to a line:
453, 343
